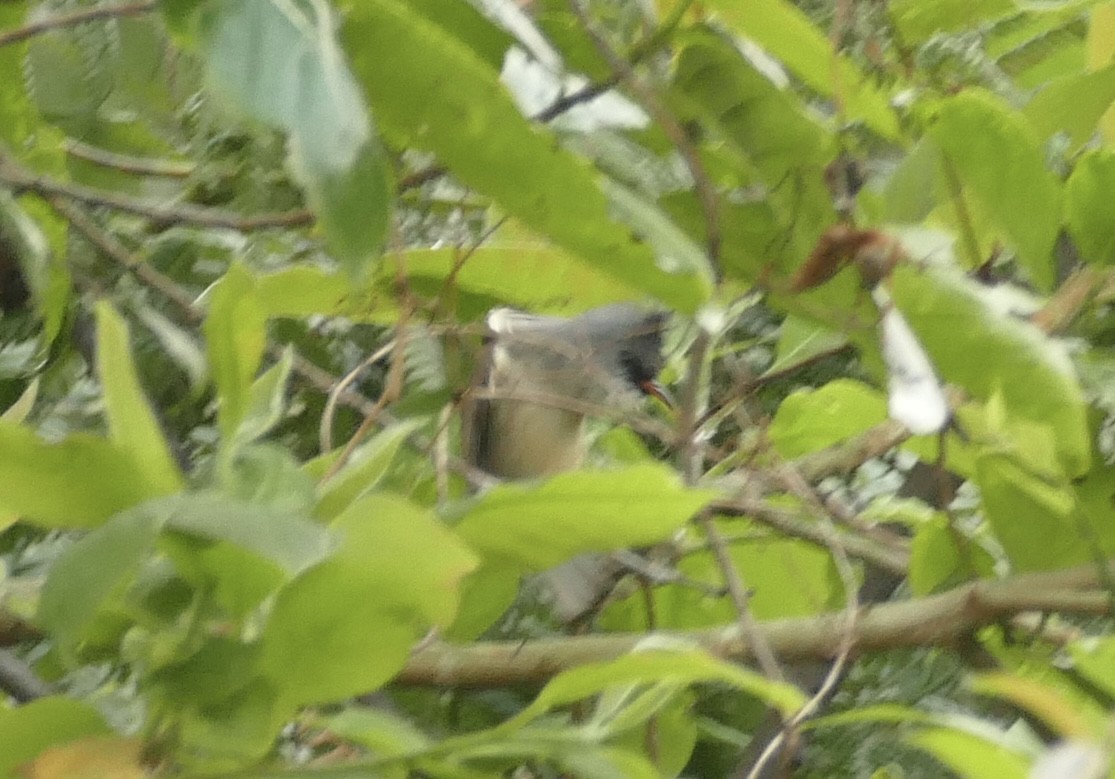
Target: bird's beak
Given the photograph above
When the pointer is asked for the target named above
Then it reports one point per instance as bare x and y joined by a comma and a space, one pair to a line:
656, 390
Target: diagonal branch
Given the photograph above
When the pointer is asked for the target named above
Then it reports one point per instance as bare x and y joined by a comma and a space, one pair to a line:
75, 18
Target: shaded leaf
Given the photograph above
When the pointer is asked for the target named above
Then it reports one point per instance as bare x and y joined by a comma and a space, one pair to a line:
786, 32
94, 569
132, 425
280, 63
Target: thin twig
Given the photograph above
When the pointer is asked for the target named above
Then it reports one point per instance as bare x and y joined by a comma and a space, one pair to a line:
22, 179
741, 598
668, 123
325, 435
19, 680
75, 18
126, 163
391, 392
111, 247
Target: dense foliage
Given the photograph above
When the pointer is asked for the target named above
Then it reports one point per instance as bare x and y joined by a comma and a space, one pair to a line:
246, 247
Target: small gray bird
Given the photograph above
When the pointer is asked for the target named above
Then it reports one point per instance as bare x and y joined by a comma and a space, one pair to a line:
540, 377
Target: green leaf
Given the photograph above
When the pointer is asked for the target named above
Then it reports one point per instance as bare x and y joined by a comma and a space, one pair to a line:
280, 63
180, 345
363, 471
1033, 519
486, 594
786, 32
544, 524
1072, 104
773, 132
812, 419
971, 756
235, 333
132, 425
222, 667
79, 482
936, 563
998, 159
1095, 659
918, 20
785, 578
1089, 209
355, 617
432, 92
302, 290
237, 730
29, 729
800, 341
291, 542
380, 731
991, 353
94, 569
1043, 701
266, 401
652, 665
603, 762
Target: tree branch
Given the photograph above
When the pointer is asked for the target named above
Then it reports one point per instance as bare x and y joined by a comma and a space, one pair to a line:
75, 18
22, 179
943, 620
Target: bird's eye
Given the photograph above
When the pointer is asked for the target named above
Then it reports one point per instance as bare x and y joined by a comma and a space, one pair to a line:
637, 372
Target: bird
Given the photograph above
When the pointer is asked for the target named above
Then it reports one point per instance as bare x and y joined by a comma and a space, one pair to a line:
539, 379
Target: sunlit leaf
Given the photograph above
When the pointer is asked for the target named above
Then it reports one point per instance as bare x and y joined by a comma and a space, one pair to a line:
544, 524
997, 157
235, 334
1088, 208
971, 756
79, 482
356, 616
438, 95
27, 730
809, 420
